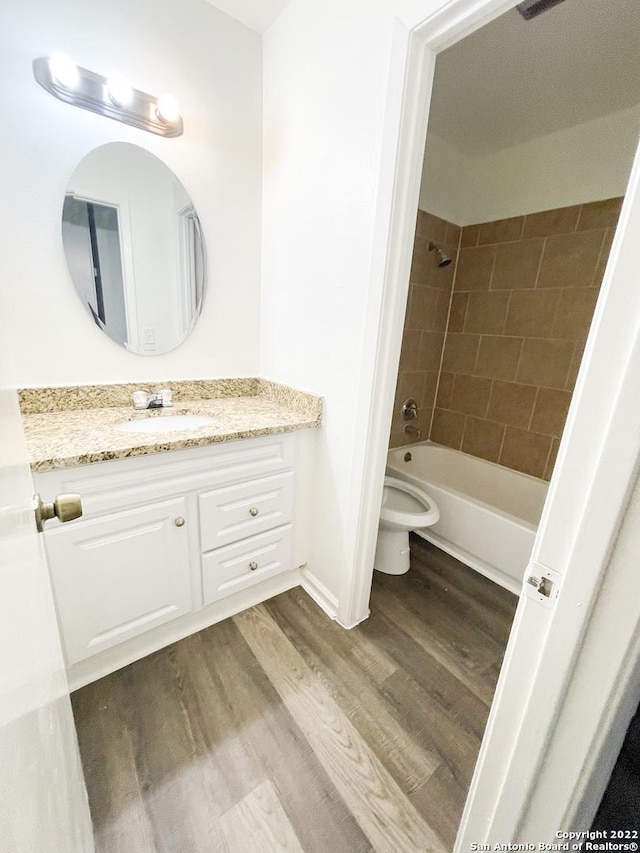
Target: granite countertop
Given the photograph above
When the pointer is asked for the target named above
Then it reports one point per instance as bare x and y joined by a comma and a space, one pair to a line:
73, 429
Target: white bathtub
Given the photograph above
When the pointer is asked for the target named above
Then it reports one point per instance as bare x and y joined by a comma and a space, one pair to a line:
488, 514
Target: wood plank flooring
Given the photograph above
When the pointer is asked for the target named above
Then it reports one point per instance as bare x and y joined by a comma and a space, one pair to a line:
278, 730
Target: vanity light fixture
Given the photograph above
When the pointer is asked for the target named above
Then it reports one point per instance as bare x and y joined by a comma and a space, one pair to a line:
119, 91
112, 97
64, 71
167, 108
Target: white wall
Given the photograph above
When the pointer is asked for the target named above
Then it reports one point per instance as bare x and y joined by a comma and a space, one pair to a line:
447, 177
326, 68
325, 77
587, 162
212, 65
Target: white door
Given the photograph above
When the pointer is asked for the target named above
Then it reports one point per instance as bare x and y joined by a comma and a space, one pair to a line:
43, 800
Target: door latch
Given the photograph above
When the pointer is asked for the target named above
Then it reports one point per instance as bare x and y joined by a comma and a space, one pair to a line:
543, 586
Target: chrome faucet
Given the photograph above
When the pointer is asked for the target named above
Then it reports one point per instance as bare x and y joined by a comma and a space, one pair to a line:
161, 399
409, 410
155, 401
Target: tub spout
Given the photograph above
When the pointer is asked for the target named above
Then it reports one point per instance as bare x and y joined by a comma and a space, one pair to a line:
410, 429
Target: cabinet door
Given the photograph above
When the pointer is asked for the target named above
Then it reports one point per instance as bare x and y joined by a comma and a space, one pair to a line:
119, 575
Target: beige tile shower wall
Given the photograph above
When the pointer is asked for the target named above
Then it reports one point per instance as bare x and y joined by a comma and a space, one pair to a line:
425, 323
523, 299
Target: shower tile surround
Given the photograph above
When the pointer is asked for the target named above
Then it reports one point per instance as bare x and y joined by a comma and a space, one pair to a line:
425, 323
522, 295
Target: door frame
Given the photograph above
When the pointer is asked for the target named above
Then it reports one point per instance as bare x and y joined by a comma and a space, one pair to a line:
594, 472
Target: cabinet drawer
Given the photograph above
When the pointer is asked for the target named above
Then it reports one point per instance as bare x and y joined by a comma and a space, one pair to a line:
140, 480
234, 567
119, 575
244, 509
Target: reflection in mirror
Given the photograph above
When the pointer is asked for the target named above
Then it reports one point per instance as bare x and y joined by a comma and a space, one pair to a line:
134, 248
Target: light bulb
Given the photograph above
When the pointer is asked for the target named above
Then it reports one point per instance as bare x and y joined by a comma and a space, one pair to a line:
119, 90
167, 108
63, 70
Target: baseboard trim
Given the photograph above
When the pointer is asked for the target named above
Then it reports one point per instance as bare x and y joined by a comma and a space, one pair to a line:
356, 623
319, 593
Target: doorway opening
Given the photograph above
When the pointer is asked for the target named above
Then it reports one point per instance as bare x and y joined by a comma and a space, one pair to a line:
527, 209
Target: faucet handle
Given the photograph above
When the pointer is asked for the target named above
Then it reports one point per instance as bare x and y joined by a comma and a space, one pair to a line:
409, 410
140, 399
167, 397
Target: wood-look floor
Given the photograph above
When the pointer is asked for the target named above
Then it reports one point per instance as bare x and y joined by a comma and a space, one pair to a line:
277, 730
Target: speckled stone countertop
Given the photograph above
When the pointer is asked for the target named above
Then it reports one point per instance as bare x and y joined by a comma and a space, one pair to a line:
75, 425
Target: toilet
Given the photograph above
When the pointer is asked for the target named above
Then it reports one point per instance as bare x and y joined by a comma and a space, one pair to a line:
404, 507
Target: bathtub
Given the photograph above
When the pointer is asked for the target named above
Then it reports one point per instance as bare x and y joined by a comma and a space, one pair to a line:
488, 514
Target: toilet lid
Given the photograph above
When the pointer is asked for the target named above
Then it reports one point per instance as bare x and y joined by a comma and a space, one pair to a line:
404, 503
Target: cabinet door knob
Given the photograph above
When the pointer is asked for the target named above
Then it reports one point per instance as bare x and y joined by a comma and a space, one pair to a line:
254, 511
179, 522
253, 566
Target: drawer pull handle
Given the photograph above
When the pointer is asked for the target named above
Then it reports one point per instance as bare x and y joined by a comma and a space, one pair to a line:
253, 566
254, 511
179, 521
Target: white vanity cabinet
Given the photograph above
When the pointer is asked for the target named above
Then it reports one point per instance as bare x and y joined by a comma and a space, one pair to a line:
167, 544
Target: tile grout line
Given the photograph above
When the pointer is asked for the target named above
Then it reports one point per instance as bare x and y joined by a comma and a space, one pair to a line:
546, 461
506, 315
556, 311
540, 260
567, 378
533, 408
520, 355
446, 332
600, 258
504, 438
464, 430
493, 265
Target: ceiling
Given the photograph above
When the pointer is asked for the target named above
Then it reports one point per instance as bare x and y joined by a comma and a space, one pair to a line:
515, 80
258, 15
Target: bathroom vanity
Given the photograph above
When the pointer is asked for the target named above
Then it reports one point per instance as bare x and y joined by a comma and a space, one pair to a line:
179, 529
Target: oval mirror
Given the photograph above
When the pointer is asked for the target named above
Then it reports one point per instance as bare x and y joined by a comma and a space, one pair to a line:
134, 248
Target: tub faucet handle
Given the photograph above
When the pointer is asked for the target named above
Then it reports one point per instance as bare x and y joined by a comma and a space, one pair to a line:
409, 410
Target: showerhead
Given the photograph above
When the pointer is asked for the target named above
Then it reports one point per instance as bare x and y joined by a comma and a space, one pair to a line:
532, 8
445, 260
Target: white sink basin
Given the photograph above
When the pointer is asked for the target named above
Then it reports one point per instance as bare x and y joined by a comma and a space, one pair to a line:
167, 423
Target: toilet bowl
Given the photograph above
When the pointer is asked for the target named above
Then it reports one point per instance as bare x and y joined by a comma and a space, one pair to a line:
404, 507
